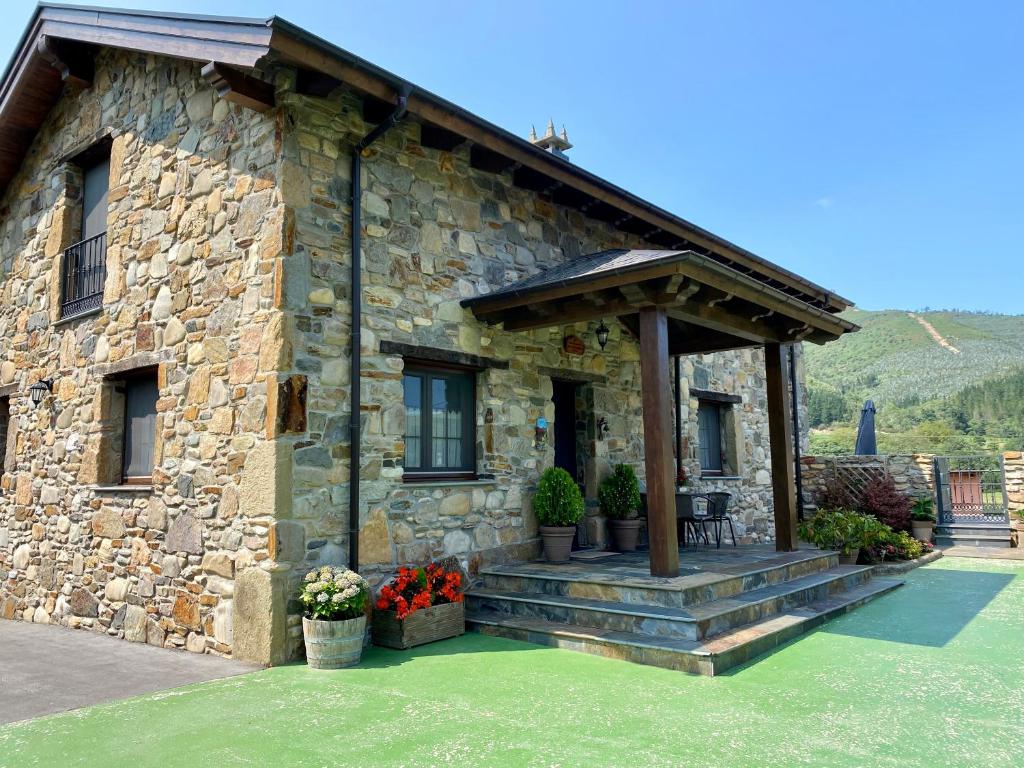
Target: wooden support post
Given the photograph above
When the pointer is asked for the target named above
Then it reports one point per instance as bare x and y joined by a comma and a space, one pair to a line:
781, 441
661, 497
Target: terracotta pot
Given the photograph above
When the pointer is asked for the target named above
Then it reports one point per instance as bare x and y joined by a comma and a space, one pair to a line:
624, 534
333, 644
922, 529
848, 559
557, 542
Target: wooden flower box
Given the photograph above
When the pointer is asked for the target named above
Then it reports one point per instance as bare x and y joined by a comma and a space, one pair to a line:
438, 622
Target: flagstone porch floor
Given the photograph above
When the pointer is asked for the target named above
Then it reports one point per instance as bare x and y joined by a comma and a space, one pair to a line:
725, 607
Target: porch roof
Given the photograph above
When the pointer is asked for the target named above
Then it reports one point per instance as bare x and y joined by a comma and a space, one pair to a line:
709, 306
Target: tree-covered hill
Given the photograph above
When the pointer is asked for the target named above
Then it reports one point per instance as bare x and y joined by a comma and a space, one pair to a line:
943, 381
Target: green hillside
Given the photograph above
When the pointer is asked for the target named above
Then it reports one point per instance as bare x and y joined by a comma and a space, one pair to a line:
916, 375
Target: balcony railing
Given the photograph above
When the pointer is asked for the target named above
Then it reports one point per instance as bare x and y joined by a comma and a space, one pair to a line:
83, 273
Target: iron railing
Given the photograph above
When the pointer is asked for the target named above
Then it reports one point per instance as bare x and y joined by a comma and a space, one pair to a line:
971, 490
83, 272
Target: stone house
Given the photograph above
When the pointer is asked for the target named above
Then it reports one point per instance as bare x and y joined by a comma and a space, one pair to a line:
179, 360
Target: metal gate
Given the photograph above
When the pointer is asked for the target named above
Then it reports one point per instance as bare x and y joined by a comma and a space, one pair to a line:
971, 490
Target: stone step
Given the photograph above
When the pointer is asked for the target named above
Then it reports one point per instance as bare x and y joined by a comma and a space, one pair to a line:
613, 587
694, 622
958, 540
958, 529
712, 656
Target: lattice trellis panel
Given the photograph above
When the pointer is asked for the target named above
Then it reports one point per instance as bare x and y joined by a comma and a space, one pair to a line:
854, 477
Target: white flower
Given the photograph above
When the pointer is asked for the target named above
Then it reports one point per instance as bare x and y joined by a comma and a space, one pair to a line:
311, 576
323, 597
336, 598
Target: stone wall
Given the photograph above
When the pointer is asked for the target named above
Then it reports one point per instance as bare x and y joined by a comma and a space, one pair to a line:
437, 231
912, 473
194, 230
1013, 469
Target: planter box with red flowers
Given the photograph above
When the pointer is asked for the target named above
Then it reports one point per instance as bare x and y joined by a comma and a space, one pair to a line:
420, 605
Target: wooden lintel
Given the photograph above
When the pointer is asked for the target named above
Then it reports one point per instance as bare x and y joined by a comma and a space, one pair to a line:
73, 61
562, 314
239, 88
721, 321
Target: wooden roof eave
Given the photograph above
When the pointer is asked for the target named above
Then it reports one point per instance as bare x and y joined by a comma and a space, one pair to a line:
820, 326
297, 46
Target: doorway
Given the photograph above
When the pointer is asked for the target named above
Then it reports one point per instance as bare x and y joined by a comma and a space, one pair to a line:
566, 448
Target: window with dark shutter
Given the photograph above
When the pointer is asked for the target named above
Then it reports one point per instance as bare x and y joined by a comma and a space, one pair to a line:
84, 267
440, 421
709, 437
140, 396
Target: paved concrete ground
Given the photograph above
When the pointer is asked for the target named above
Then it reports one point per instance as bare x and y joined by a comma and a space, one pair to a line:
46, 669
985, 553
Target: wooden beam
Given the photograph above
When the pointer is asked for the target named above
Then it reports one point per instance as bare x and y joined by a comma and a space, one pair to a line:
74, 62
238, 87
657, 405
781, 442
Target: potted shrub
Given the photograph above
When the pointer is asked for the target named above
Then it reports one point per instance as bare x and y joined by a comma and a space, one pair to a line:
619, 494
334, 617
922, 518
559, 506
420, 605
842, 530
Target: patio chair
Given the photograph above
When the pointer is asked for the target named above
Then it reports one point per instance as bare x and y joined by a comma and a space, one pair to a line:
688, 519
718, 515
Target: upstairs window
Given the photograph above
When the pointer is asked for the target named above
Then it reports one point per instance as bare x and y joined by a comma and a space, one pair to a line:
140, 396
84, 269
439, 422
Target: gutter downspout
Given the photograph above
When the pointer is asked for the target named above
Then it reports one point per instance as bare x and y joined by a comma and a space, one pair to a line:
355, 424
798, 469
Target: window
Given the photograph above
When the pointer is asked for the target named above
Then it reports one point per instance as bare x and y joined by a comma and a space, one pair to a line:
85, 263
5, 421
439, 422
140, 396
709, 437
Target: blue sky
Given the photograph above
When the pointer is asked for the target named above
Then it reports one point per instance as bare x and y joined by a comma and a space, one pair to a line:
874, 147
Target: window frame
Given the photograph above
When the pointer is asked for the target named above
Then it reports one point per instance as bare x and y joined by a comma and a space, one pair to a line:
430, 371
87, 253
706, 406
123, 383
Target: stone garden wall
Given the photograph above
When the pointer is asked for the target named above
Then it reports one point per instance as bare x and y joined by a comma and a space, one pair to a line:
194, 228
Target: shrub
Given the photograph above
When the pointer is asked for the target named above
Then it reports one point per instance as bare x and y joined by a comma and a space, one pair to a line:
923, 509
899, 545
881, 499
619, 493
558, 501
333, 594
835, 495
841, 529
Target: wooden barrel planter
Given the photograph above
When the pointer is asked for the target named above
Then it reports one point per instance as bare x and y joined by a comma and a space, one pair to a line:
333, 644
438, 622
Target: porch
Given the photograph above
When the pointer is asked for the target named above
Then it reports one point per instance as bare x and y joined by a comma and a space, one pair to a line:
682, 302
724, 607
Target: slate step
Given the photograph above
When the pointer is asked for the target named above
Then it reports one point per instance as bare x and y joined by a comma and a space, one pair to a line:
613, 587
957, 529
706, 657
957, 540
693, 622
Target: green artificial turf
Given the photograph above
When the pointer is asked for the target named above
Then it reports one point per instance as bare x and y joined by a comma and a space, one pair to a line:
930, 675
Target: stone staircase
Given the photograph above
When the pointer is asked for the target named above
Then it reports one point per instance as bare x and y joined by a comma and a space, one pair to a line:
976, 535
702, 623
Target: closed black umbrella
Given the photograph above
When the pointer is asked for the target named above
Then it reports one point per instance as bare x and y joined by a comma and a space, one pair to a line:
866, 443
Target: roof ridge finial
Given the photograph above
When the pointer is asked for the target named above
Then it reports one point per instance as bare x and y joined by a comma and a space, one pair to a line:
551, 128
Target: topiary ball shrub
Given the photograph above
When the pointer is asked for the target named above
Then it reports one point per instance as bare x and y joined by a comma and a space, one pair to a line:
881, 499
619, 493
558, 501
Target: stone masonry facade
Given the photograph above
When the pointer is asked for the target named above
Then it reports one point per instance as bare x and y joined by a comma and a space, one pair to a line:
228, 274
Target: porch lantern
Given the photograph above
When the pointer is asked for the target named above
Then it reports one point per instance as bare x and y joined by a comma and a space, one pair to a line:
602, 334
39, 390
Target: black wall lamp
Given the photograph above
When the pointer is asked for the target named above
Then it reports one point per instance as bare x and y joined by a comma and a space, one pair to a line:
602, 334
39, 390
